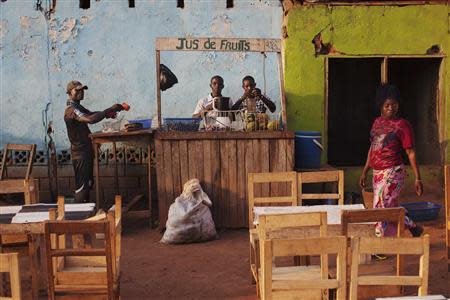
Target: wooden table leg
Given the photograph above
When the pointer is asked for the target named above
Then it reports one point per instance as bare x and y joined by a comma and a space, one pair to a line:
149, 149
97, 176
34, 266
116, 170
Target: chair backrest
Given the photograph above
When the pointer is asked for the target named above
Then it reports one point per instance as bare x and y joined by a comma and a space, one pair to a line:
321, 177
447, 212
394, 215
104, 281
114, 217
287, 289
283, 226
9, 263
255, 178
270, 225
388, 245
115, 220
30, 148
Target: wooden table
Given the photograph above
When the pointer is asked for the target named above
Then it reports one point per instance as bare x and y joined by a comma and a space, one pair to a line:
143, 136
14, 220
221, 161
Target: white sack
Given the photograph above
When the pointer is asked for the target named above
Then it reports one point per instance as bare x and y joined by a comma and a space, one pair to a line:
190, 219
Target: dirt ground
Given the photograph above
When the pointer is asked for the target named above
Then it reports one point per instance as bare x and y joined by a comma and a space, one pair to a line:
220, 269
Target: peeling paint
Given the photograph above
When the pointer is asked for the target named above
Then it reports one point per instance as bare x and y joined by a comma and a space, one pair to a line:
25, 22
62, 31
111, 49
3, 29
84, 20
221, 25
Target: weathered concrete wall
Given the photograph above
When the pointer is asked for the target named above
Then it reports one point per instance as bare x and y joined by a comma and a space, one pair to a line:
110, 47
356, 30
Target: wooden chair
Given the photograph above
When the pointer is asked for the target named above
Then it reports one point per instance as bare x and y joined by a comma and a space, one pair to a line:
321, 177
447, 212
394, 215
26, 185
403, 246
9, 263
77, 271
278, 284
253, 200
288, 226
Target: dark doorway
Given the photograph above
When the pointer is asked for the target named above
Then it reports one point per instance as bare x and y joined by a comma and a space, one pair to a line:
352, 83
417, 79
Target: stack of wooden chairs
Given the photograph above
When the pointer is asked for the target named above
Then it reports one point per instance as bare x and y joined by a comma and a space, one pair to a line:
352, 278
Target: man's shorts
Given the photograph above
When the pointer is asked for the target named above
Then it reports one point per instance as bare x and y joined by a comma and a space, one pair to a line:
84, 177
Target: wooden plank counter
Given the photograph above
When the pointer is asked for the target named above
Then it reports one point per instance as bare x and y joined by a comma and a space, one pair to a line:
221, 161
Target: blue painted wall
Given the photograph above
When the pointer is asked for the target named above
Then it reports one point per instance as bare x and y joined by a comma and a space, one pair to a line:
110, 48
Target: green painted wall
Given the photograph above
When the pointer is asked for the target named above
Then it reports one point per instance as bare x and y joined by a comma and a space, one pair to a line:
356, 30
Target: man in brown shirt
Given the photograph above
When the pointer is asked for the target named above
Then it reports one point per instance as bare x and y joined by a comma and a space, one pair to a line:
76, 118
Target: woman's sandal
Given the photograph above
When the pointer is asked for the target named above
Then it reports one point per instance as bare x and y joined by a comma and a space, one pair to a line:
416, 231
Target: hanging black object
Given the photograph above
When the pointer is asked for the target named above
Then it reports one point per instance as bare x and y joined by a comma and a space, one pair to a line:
85, 4
166, 78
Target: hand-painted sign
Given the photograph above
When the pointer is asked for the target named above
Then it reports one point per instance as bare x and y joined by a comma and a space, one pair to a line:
218, 44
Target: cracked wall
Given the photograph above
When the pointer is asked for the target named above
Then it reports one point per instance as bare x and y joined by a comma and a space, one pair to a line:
110, 47
354, 31
358, 30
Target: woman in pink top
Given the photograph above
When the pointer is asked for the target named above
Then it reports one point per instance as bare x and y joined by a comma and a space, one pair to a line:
390, 136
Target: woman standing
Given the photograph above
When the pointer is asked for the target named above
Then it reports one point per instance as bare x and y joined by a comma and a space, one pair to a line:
389, 136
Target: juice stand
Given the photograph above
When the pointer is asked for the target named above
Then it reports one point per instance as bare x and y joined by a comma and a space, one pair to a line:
220, 159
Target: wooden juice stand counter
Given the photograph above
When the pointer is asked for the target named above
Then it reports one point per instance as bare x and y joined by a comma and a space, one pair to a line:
221, 161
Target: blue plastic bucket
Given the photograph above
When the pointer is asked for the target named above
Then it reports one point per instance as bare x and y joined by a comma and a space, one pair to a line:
308, 148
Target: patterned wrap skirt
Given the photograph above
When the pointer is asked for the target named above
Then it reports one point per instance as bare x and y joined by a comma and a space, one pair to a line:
387, 185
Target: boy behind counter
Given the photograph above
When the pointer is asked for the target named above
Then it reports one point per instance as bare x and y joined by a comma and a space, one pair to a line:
252, 93
206, 104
